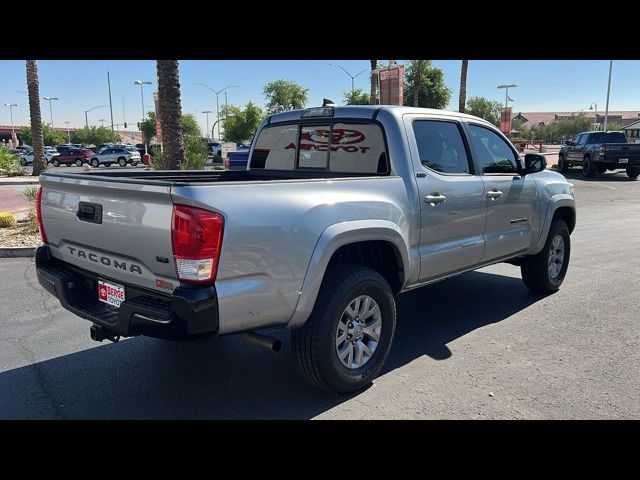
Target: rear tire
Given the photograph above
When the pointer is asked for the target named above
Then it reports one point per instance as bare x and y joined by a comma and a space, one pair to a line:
545, 271
562, 164
122, 162
319, 342
588, 168
633, 172
55, 163
95, 163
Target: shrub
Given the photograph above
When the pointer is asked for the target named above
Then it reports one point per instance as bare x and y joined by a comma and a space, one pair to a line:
9, 163
31, 193
7, 220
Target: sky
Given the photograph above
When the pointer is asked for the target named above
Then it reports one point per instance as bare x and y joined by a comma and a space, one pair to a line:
552, 85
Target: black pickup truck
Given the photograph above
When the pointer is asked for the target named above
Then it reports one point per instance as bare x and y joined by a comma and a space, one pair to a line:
597, 152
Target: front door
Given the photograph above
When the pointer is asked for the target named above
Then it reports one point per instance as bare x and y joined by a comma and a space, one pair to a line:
511, 198
574, 153
452, 206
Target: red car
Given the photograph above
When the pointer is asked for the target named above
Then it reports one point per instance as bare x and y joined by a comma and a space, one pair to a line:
73, 156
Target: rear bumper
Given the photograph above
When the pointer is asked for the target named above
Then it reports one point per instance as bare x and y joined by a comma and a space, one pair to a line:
186, 314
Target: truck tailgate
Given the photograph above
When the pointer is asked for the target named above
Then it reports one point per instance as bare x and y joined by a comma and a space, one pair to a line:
615, 151
118, 229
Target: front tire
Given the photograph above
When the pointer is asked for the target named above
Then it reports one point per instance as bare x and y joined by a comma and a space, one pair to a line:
345, 342
633, 172
589, 170
545, 271
95, 163
562, 165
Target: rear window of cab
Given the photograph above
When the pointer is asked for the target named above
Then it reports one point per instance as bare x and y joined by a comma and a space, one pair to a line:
350, 148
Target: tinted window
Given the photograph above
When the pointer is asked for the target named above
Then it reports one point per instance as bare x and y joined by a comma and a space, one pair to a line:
357, 148
604, 137
276, 148
583, 139
492, 152
314, 145
440, 146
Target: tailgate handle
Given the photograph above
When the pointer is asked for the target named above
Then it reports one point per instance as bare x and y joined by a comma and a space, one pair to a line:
89, 212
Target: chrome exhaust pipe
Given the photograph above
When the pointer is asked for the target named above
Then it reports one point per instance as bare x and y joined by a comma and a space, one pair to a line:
270, 343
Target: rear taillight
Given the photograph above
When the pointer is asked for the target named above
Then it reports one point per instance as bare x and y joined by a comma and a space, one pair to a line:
227, 164
602, 148
197, 237
39, 214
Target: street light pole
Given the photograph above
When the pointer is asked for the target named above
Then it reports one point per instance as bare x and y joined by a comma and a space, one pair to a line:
595, 121
141, 83
86, 117
68, 132
217, 92
51, 108
606, 111
13, 132
353, 77
506, 93
207, 112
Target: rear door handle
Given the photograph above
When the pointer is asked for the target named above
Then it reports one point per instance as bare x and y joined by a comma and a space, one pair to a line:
435, 198
493, 194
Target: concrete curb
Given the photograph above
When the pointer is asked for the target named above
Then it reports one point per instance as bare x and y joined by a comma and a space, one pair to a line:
22, 181
17, 252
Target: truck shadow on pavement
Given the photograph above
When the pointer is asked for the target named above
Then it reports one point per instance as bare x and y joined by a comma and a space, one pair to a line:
228, 378
615, 176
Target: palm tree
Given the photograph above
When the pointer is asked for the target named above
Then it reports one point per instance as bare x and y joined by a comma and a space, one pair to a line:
33, 86
374, 80
462, 100
170, 112
417, 82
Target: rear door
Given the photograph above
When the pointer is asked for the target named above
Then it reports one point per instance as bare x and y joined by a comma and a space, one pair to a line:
118, 229
511, 199
452, 205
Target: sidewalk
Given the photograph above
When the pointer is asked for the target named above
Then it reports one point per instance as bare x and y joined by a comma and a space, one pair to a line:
12, 200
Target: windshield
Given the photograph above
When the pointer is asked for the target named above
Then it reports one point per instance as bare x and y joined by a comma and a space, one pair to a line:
608, 137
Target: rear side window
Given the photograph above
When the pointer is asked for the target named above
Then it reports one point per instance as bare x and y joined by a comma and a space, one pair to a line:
357, 148
441, 147
276, 148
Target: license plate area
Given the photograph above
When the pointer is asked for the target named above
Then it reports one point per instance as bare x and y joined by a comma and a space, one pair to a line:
623, 160
111, 293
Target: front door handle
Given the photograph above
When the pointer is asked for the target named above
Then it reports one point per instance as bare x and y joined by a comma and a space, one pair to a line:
493, 194
435, 198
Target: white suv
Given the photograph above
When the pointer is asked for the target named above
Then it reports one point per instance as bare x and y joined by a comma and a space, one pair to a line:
119, 155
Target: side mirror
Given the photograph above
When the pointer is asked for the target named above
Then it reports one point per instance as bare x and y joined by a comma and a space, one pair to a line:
568, 142
534, 163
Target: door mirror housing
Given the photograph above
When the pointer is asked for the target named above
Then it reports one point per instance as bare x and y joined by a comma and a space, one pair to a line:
568, 142
534, 163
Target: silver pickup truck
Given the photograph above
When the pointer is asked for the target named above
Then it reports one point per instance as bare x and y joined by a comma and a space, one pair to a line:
339, 210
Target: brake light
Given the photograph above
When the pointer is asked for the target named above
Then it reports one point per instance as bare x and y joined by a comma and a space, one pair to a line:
196, 235
39, 215
227, 164
602, 149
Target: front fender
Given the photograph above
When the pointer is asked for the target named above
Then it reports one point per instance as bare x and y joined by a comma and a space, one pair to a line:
334, 237
555, 202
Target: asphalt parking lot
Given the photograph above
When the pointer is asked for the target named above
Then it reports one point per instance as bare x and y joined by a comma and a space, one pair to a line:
473, 347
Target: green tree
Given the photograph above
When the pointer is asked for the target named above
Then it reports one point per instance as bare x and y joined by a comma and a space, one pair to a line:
190, 125
50, 136
240, 125
37, 142
148, 127
432, 93
283, 95
613, 126
484, 108
94, 136
356, 97
196, 152
170, 113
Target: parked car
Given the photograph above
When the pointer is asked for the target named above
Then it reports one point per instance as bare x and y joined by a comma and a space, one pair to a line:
340, 210
49, 153
242, 146
120, 155
597, 152
72, 156
215, 149
67, 146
